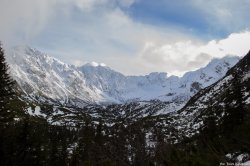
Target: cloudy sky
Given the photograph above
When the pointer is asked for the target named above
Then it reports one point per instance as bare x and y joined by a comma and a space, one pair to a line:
134, 37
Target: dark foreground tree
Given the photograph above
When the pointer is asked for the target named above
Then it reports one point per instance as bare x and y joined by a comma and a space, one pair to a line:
6, 89
6, 94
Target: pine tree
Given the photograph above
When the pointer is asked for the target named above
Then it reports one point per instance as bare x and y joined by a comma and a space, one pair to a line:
6, 89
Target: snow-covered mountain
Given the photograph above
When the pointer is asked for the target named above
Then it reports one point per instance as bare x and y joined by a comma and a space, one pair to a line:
46, 79
227, 98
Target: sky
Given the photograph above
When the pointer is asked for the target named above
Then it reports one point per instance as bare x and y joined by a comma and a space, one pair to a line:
134, 37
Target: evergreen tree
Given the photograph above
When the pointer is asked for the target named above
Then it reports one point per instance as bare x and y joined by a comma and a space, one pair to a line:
6, 89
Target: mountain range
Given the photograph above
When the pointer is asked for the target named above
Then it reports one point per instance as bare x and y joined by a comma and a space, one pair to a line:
45, 79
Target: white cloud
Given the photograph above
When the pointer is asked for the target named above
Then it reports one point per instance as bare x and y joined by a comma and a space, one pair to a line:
180, 57
115, 39
24, 20
109, 35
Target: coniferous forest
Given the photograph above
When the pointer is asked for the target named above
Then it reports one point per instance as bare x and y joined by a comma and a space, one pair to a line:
27, 140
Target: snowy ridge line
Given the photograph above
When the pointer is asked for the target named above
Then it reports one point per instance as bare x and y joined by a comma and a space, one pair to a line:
38, 74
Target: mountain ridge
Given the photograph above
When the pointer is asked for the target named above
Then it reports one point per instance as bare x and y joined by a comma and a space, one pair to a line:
47, 79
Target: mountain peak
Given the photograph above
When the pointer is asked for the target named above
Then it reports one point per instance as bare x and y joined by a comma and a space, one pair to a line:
95, 64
